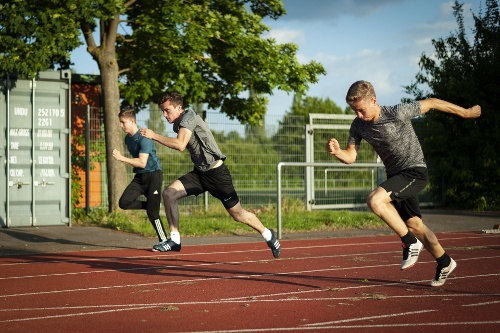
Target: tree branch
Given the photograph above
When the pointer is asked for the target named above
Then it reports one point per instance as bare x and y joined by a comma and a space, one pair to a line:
112, 31
129, 4
122, 71
92, 48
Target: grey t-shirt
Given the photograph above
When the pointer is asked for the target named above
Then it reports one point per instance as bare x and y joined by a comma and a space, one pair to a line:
201, 146
392, 136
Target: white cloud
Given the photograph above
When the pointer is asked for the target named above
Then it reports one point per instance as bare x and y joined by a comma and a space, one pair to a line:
302, 59
446, 9
287, 36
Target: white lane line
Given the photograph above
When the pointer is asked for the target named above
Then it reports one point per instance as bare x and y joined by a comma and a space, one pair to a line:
366, 285
127, 307
246, 276
247, 300
231, 263
353, 255
72, 314
177, 255
155, 256
356, 327
269, 329
483, 303
369, 318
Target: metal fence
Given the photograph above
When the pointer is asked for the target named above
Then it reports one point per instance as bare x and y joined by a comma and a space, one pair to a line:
252, 156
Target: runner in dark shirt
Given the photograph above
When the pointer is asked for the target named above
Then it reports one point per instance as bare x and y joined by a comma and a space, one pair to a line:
148, 179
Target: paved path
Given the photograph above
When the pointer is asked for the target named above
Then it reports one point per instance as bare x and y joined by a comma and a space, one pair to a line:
53, 239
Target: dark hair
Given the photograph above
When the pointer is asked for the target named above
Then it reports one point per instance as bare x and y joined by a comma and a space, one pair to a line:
127, 113
173, 97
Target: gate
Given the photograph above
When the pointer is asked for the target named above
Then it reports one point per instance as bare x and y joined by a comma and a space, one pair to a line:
348, 185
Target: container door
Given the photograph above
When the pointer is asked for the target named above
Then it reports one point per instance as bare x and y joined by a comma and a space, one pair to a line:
37, 151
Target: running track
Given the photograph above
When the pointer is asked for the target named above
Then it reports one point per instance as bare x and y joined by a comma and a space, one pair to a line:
323, 285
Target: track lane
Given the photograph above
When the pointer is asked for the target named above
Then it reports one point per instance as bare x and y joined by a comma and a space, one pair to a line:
316, 285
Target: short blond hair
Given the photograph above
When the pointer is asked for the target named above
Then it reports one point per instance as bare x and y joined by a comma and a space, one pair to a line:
360, 90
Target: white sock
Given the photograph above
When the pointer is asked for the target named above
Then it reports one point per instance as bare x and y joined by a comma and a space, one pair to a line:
175, 237
267, 235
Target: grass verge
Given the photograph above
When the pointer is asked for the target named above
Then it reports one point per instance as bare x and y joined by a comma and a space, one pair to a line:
197, 222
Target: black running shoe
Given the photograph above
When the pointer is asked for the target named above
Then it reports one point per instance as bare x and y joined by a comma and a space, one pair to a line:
166, 246
274, 244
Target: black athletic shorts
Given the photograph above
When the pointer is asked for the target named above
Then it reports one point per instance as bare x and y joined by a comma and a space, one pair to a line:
405, 187
217, 182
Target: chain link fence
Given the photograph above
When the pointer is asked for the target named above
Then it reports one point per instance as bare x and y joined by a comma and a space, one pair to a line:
253, 153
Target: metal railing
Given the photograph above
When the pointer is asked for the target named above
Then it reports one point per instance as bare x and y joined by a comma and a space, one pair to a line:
312, 164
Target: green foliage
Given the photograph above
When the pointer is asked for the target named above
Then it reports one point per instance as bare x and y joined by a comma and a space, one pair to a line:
462, 154
248, 155
301, 106
211, 52
304, 105
33, 40
77, 164
155, 121
132, 222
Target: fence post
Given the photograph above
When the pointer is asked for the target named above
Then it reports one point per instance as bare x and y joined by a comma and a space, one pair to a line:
87, 159
278, 227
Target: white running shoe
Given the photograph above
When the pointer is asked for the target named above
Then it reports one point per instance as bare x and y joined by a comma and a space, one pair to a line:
442, 273
410, 254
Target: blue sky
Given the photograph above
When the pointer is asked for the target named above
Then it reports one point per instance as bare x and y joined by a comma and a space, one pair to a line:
379, 41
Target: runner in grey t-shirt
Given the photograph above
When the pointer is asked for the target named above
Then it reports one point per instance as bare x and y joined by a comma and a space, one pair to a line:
202, 146
392, 136
209, 173
390, 132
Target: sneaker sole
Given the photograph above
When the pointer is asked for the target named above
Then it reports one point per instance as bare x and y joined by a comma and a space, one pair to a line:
407, 267
155, 250
165, 251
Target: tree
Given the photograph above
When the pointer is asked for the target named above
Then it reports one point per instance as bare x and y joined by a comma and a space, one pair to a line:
304, 105
211, 51
463, 154
256, 131
155, 121
298, 115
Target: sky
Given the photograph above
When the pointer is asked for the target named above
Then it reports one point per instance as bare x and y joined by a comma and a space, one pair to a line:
380, 41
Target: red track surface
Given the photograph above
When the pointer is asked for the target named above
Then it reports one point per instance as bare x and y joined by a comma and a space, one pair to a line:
344, 285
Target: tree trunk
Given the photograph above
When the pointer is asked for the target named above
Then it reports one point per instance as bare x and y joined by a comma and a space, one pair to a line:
111, 97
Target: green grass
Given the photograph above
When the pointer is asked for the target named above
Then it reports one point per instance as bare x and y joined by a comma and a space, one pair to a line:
197, 222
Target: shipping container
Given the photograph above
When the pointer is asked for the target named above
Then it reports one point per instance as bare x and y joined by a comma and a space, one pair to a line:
35, 150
